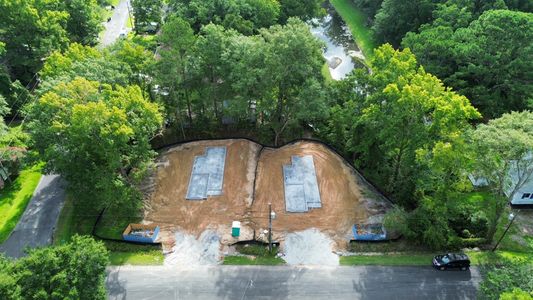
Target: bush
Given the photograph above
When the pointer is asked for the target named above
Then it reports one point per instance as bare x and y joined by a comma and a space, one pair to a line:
471, 219
423, 225
71, 271
503, 279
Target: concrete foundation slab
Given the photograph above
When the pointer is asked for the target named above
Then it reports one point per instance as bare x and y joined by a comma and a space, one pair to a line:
207, 175
301, 186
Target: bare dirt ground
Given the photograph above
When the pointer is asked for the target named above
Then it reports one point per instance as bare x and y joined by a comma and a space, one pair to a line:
346, 197
168, 206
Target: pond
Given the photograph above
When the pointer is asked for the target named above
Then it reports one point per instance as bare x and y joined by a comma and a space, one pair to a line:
341, 52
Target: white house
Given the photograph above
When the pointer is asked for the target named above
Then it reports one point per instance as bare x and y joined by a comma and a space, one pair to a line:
524, 195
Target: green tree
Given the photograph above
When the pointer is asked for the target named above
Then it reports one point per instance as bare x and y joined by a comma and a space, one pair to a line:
9, 289
521, 5
396, 17
173, 69
4, 110
146, 12
503, 147
31, 30
303, 9
506, 281
293, 61
516, 294
109, 66
369, 7
494, 58
487, 60
398, 94
61, 62
245, 16
97, 137
71, 271
84, 21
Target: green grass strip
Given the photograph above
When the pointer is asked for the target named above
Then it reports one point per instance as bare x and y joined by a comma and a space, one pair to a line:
387, 260
425, 259
355, 20
259, 260
154, 257
15, 197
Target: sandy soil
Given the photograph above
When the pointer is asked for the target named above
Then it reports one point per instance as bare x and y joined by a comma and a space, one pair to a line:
170, 209
341, 198
344, 195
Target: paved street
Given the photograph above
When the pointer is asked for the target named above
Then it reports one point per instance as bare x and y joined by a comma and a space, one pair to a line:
37, 224
251, 282
117, 23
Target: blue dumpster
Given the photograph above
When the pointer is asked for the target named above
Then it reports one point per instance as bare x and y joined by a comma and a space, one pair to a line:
140, 233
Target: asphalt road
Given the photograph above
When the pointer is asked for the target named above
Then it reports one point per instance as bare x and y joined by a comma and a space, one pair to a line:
116, 24
36, 226
252, 282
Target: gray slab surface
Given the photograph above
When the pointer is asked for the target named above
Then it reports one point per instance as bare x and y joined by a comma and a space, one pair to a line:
36, 226
301, 186
197, 187
294, 283
207, 174
295, 198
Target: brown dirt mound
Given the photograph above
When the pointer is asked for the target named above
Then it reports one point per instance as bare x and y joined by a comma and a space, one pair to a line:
168, 205
346, 199
340, 195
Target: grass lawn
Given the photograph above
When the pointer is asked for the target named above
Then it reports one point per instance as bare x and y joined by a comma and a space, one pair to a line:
256, 255
424, 259
154, 257
387, 260
356, 22
258, 260
15, 197
74, 220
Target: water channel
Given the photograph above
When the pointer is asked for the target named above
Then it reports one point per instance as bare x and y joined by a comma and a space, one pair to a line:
341, 52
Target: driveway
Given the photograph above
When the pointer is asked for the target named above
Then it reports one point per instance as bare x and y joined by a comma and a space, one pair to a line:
36, 226
254, 282
116, 24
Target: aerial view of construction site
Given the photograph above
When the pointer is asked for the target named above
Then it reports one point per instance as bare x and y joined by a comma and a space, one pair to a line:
211, 195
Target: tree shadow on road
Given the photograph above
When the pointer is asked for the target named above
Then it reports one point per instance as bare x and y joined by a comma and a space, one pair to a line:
415, 283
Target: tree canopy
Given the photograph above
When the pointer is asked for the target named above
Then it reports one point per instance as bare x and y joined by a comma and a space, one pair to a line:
245, 16
488, 60
272, 78
146, 12
395, 18
72, 271
397, 94
97, 137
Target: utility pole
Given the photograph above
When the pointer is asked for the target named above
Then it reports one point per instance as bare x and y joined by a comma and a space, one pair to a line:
270, 227
511, 218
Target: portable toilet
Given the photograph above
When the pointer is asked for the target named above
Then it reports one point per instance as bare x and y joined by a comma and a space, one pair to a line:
236, 228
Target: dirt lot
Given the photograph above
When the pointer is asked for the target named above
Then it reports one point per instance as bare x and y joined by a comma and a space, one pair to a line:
346, 199
168, 206
342, 202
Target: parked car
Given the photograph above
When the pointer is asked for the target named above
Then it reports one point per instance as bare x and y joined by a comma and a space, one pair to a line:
123, 34
451, 261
